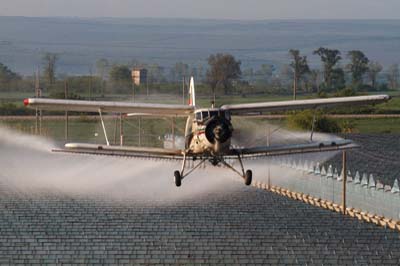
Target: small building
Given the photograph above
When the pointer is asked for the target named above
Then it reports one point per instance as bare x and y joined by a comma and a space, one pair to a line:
139, 76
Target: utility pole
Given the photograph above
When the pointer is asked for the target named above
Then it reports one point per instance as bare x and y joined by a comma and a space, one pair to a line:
140, 131
344, 181
121, 130
66, 112
147, 87
294, 84
183, 90
173, 132
90, 84
38, 113
133, 91
37, 96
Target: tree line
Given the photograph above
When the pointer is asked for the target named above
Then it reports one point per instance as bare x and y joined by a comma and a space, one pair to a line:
222, 75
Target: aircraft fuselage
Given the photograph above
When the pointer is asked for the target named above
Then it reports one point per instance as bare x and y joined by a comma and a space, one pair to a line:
210, 132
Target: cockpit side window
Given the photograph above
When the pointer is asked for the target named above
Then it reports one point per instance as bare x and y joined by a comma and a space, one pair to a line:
227, 115
205, 115
198, 116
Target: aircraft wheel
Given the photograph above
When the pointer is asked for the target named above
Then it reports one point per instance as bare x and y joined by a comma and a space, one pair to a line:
248, 177
178, 178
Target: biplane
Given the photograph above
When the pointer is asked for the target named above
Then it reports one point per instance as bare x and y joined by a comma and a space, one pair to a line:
208, 131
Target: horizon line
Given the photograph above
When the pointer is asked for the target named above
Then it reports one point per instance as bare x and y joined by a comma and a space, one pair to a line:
205, 19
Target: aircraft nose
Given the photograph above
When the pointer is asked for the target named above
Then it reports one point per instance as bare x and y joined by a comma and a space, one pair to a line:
218, 130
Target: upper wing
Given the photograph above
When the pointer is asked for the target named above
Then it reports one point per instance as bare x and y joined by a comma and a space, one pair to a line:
243, 109
297, 148
117, 107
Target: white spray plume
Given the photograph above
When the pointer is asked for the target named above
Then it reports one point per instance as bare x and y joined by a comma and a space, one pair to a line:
28, 164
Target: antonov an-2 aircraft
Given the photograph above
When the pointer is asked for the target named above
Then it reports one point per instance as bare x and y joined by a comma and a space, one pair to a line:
208, 131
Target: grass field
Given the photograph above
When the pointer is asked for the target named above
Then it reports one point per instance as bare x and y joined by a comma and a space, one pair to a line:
83, 129
152, 130
374, 125
90, 130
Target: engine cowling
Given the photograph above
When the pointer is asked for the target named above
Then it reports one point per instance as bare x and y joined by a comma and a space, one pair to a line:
218, 129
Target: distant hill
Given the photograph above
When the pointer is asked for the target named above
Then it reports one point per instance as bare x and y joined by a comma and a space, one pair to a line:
80, 41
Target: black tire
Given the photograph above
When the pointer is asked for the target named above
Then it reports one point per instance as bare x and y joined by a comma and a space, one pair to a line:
177, 178
248, 177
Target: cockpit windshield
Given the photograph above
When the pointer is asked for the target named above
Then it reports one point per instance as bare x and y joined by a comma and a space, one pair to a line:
213, 113
202, 116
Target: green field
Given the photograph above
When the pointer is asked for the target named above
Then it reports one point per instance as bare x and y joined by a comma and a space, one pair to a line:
152, 130
374, 125
85, 129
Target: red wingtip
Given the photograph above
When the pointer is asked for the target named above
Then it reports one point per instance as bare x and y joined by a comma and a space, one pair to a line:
26, 102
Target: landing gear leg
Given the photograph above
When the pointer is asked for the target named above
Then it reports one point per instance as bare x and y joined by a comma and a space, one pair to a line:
178, 175
247, 176
177, 178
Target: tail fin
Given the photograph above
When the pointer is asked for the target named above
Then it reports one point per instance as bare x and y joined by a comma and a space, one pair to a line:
192, 95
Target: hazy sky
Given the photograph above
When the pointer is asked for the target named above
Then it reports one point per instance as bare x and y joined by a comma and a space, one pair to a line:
220, 9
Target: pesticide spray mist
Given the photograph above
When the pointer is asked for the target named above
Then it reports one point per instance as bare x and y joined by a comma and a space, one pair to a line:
27, 164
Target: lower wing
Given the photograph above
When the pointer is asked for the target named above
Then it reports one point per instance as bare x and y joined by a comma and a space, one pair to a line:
176, 154
295, 148
96, 149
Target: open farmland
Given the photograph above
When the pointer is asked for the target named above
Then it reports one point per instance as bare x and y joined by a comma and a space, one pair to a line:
379, 155
232, 225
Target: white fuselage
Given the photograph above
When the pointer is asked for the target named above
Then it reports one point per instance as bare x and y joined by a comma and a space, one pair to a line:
209, 132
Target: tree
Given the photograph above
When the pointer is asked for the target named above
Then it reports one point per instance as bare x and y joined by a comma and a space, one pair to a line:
338, 80
194, 72
49, 65
6, 75
329, 58
120, 75
374, 68
8, 78
200, 72
264, 74
155, 73
101, 67
393, 76
315, 75
300, 68
179, 71
224, 69
285, 77
248, 73
358, 66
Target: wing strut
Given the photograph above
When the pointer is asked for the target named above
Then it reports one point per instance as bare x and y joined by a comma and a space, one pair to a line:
314, 120
104, 128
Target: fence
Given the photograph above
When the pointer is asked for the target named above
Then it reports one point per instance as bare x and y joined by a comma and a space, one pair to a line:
314, 179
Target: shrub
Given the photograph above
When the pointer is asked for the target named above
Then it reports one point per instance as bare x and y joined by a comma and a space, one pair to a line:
303, 120
345, 92
13, 109
61, 95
